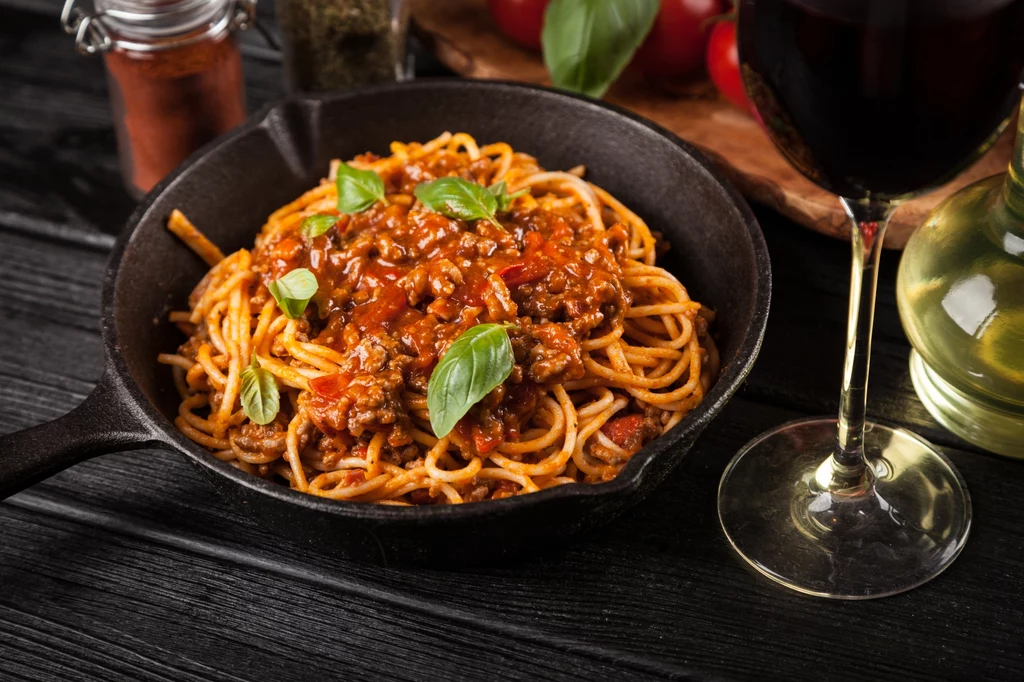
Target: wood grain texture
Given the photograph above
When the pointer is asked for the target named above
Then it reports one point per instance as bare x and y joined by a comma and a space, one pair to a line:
59, 174
199, 616
656, 593
465, 38
129, 567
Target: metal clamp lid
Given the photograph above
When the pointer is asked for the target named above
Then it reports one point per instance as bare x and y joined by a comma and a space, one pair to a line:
93, 31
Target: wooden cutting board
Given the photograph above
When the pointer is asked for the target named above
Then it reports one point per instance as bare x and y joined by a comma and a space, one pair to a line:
463, 36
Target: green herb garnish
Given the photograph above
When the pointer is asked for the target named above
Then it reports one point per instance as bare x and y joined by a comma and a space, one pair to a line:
261, 399
587, 43
293, 291
500, 192
316, 225
479, 360
458, 198
358, 190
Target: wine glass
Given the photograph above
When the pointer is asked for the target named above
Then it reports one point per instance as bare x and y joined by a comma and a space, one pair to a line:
876, 101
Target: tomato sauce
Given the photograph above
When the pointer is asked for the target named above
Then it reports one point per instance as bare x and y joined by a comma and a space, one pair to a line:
398, 284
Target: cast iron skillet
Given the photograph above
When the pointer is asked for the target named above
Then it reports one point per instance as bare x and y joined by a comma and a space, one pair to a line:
230, 187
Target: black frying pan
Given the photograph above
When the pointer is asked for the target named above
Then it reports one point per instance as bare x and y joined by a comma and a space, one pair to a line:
230, 187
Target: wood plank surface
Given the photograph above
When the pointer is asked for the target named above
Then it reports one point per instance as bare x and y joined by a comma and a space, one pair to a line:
130, 567
463, 35
657, 592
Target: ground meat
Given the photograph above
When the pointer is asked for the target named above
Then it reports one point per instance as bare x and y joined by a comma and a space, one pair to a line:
400, 456
260, 439
477, 494
556, 357
368, 402
422, 496
498, 299
332, 449
398, 284
279, 258
700, 323
389, 250
444, 309
415, 284
503, 489
617, 239
400, 434
190, 348
471, 244
583, 300
443, 278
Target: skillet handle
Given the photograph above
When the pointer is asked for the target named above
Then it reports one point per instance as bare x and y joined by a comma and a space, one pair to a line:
104, 422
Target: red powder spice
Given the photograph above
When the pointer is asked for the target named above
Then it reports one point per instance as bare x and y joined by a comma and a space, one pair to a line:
169, 102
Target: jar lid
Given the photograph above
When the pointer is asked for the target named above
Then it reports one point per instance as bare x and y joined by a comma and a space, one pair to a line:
151, 25
159, 18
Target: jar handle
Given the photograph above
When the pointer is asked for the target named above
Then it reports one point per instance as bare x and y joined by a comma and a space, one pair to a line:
90, 35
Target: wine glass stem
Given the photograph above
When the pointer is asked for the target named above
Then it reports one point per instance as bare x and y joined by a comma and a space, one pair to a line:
848, 470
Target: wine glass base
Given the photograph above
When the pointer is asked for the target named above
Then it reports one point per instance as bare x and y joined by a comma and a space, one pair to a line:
976, 421
891, 536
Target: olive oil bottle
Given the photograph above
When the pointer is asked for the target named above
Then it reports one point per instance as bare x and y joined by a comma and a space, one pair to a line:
961, 299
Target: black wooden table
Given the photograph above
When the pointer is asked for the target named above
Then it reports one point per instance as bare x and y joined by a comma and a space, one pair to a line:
130, 567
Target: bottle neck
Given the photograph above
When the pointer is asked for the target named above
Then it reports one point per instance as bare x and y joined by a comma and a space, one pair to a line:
1014, 188
1005, 223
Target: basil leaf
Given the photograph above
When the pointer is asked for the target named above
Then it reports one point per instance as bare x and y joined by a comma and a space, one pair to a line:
293, 291
261, 399
501, 195
458, 198
358, 190
316, 225
479, 360
587, 43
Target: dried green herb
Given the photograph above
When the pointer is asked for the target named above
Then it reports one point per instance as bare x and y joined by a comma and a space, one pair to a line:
335, 44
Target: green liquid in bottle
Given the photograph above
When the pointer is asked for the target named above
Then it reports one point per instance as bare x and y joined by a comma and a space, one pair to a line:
961, 299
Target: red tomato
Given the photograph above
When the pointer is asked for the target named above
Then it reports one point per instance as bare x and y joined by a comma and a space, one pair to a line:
388, 305
675, 46
623, 429
724, 64
534, 241
523, 273
520, 20
330, 386
471, 291
468, 429
484, 442
354, 477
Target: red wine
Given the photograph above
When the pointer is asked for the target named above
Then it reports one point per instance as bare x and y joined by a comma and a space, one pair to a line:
882, 98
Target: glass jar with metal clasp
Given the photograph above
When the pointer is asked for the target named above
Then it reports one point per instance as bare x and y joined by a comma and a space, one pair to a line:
174, 71
338, 44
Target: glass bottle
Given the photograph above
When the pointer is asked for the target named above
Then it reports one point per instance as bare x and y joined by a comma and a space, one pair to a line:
175, 76
961, 299
337, 44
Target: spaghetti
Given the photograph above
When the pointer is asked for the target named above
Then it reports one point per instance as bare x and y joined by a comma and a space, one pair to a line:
610, 351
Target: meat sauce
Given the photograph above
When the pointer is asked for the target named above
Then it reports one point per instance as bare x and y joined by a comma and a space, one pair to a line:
399, 283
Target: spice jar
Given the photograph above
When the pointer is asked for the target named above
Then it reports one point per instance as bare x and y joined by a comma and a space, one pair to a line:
174, 72
335, 44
